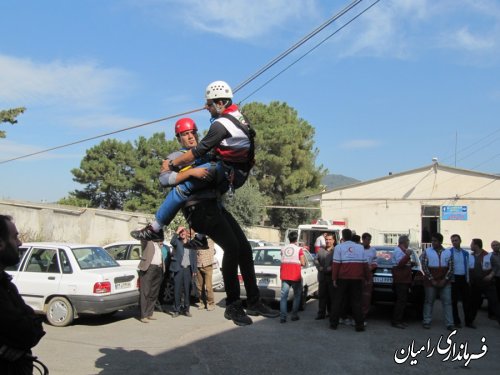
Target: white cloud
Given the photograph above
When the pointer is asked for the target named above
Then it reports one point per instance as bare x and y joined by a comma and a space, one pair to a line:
235, 19
79, 85
464, 39
360, 144
404, 28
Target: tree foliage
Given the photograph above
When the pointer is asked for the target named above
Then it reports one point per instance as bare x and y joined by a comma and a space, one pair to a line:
10, 116
146, 192
247, 204
285, 159
108, 172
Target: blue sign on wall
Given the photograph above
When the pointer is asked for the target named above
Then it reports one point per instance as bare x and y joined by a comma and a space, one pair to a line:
454, 213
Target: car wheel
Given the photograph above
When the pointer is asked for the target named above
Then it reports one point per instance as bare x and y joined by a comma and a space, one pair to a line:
167, 291
303, 299
60, 312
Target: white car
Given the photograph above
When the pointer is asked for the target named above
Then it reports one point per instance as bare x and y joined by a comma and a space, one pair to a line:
128, 253
267, 262
65, 280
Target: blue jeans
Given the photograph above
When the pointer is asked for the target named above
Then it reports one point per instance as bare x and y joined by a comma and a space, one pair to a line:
219, 179
430, 297
297, 291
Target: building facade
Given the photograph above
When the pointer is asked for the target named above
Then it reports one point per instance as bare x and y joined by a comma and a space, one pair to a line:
419, 202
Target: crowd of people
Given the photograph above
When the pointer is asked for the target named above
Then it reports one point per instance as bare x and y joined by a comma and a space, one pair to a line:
345, 276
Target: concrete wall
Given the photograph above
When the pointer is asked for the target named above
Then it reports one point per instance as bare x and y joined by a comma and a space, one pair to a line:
51, 222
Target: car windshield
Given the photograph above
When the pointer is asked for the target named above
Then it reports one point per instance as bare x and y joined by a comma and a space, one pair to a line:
267, 257
93, 257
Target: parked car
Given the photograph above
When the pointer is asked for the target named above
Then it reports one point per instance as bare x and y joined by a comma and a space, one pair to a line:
383, 282
128, 253
267, 261
64, 281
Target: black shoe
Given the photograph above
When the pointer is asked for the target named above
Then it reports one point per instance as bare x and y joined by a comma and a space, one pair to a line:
458, 325
295, 318
471, 325
359, 328
398, 325
147, 233
319, 317
236, 313
426, 325
260, 309
334, 326
187, 313
283, 320
175, 314
450, 328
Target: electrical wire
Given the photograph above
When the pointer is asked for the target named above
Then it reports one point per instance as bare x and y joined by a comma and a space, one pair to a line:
101, 135
297, 45
237, 88
308, 52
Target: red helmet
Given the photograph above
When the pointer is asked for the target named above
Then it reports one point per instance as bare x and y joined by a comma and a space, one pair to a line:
184, 124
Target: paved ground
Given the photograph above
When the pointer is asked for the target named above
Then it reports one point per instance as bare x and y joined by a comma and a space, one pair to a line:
209, 344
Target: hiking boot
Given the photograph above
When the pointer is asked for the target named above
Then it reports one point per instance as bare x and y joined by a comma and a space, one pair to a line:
259, 308
236, 313
147, 233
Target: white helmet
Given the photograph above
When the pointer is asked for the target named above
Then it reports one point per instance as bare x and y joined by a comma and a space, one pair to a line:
217, 90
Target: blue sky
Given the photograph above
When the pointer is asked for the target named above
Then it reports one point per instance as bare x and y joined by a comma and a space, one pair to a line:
407, 81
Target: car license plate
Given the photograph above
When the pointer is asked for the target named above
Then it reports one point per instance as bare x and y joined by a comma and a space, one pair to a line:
125, 285
382, 280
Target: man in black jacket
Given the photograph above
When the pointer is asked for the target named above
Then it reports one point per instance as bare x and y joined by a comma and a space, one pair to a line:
20, 328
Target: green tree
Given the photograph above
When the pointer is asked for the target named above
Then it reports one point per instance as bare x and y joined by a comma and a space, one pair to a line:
108, 171
146, 192
285, 156
284, 218
10, 116
247, 204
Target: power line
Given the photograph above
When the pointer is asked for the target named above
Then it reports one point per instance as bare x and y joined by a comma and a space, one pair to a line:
488, 136
308, 52
297, 45
237, 88
101, 135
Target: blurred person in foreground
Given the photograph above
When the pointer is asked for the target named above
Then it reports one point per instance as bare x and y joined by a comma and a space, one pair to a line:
20, 328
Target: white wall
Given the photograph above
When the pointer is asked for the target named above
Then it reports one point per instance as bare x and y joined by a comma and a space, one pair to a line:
393, 204
51, 222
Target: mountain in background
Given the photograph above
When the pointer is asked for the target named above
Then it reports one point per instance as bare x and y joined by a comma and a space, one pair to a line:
332, 181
